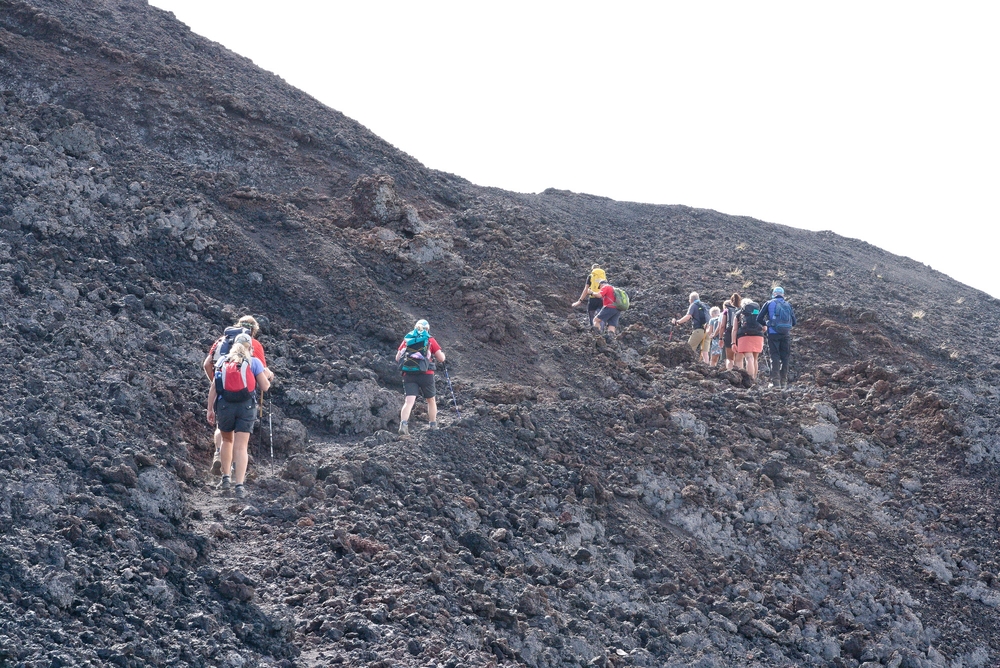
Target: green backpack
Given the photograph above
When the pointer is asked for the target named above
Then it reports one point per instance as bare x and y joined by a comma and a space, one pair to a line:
621, 300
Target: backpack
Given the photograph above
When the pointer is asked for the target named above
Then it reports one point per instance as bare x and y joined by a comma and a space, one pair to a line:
225, 343
780, 317
234, 382
621, 300
416, 358
749, 326
702, 315
595, 278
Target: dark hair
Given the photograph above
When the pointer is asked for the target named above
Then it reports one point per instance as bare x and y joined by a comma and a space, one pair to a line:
736, 299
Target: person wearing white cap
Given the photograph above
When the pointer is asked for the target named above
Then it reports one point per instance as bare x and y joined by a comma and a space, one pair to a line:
232, 404
779, 318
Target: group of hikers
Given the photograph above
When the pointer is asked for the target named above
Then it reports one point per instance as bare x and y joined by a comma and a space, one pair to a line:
737, 331
236, 367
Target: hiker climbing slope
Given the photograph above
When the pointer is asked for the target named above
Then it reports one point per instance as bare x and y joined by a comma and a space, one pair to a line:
699, 314
778, 316
592, 289
247, 324
232, 406
416, 356
615, 302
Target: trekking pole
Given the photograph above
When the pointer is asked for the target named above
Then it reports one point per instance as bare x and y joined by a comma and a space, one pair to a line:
270, 433
454, 400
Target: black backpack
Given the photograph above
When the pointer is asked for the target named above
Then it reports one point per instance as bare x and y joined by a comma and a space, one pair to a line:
416, 358
702, 315
749, 310
225, 343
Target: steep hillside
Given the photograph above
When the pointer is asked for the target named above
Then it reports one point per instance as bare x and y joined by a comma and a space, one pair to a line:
592, 505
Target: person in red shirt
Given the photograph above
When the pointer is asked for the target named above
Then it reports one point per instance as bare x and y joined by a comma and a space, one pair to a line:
249, 323
416, 355
608, 314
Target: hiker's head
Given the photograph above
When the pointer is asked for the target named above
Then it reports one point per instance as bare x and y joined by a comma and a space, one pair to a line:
778, 292
693, 297
594, 266
241, 350
736, 299
727, 303
249, 322
421, 326
602, 284
714, 311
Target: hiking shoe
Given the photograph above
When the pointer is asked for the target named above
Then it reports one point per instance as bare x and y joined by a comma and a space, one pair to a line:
432, 425
217, 463
224, 484
240, 491
404, 429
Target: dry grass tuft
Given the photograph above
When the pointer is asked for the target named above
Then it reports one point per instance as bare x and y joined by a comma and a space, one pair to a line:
919, 314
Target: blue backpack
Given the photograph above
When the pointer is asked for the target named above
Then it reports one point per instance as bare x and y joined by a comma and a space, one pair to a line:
780, 316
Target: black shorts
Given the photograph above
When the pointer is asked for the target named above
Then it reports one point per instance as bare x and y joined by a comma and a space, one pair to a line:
594, 304
235, 417
421, 384
610, 315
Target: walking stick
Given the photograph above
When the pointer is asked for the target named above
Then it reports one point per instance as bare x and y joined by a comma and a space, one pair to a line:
270, 433
454, 400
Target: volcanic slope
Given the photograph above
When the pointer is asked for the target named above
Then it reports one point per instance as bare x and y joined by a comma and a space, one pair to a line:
595, 504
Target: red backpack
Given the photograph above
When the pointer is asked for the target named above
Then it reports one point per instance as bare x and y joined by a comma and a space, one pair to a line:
235, 383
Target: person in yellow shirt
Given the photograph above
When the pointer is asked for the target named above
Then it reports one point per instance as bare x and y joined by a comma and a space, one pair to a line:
592, 288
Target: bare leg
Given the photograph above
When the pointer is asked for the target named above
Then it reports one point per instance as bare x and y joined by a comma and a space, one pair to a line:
752, 365
227, 452
239, 450
432, 409
404, 413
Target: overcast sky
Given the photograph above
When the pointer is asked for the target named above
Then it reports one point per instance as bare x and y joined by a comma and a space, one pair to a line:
877, 120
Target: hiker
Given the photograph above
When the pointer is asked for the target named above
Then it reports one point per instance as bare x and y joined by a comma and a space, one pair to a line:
592, 289
714, 334
698, 313
729, 309
748, 337
416, 357
609, 313
232, 407
778, 316
246, 324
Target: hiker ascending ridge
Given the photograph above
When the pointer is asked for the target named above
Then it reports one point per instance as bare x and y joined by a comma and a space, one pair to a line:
748, 337
730, 308
778, 316
416, 356
615, 302
232, 406
698, 314
592, 289
245, 325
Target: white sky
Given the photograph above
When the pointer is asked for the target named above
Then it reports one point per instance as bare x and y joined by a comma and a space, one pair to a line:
877, 120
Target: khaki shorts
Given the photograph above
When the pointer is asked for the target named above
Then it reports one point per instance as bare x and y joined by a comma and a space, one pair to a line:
697, 340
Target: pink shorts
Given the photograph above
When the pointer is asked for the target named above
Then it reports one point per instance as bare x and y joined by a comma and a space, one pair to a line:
750, 344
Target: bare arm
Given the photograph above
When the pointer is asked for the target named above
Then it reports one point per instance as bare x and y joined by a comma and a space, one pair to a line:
439, 356
211, 404
209, 366
263, 382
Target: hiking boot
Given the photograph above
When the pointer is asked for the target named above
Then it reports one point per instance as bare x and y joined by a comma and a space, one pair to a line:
432, 425
240, 491
217, 463
224, 484
784, 382
404, 429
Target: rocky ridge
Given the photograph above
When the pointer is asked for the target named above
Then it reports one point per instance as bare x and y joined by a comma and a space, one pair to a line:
594, 505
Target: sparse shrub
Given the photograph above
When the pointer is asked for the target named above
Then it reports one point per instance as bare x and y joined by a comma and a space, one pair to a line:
918, 314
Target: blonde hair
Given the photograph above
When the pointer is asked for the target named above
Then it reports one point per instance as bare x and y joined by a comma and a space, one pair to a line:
240, 353
714, 311
422, 326
249, 322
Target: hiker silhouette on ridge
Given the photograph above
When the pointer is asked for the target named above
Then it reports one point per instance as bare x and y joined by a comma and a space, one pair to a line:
416, 356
